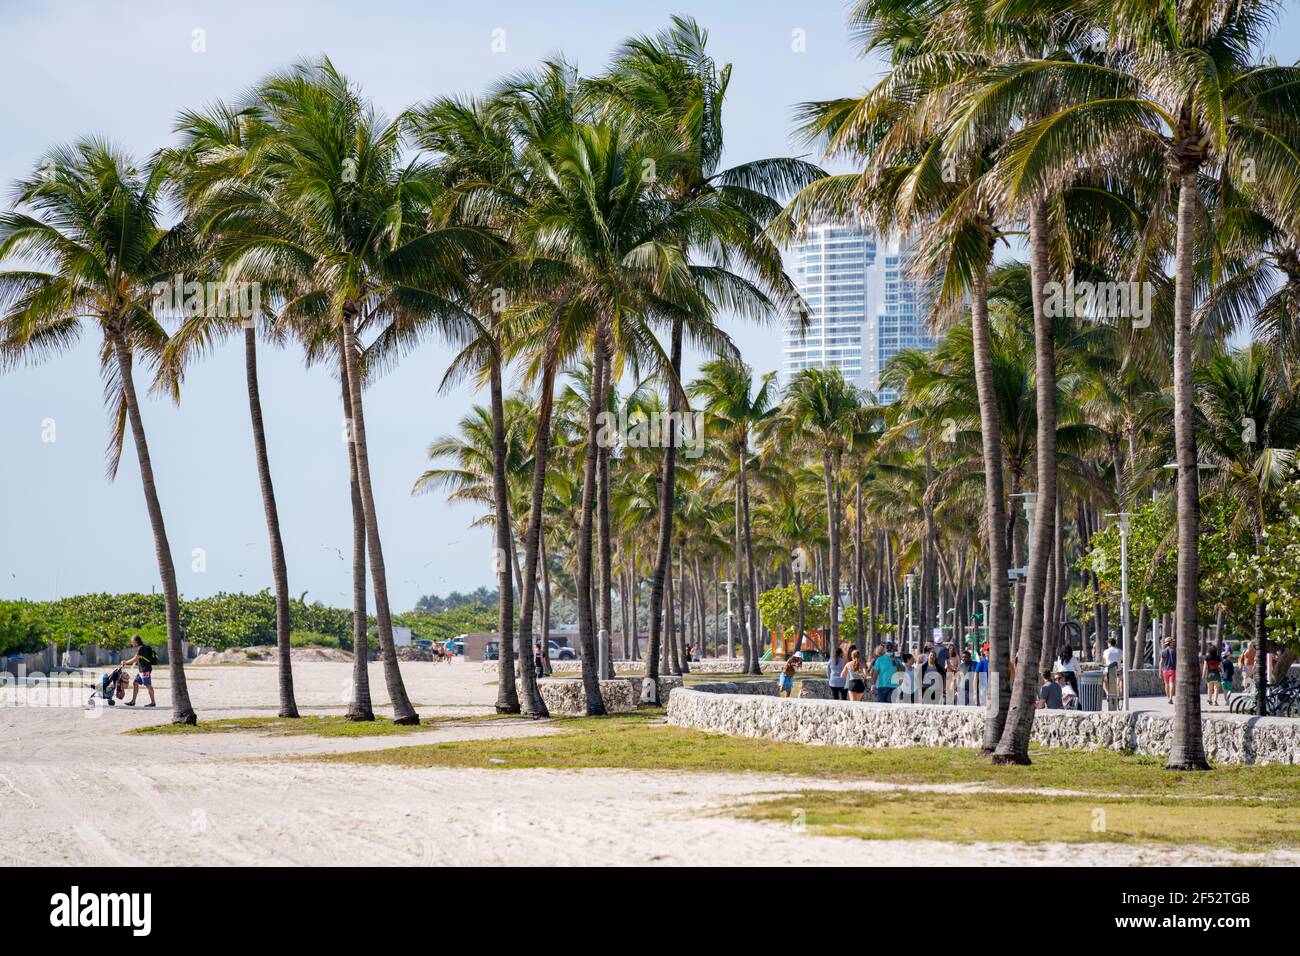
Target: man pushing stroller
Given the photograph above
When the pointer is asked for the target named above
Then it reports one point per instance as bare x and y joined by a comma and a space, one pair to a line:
144, 660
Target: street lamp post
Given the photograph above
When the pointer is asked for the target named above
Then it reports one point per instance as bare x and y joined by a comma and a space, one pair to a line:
1123, 517
727, 585
908, 581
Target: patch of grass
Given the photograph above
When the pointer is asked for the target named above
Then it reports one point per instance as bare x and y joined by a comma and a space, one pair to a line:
314, 725
1246, 825
640, 742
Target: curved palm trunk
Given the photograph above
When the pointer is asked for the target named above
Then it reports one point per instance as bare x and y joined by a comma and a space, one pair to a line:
830, 470
533, 545
995, 518
1014, 744
859, 575
755, 625
798, 591
664, 542
360, 707
586, 521
279, 569
403, 712
604, 545
182, 711
748, 663
1187, 749
507, 694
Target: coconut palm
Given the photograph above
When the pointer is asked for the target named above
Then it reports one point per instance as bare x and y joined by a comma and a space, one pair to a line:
736, 408
88, 226
820, 413
213, 157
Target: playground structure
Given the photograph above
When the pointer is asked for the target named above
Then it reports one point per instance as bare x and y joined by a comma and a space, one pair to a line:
780, 644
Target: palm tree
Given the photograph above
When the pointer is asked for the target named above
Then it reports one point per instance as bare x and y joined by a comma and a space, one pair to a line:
820, 413
736, 408
347, 228
89, 222
668, 87
213, 155
1249, 426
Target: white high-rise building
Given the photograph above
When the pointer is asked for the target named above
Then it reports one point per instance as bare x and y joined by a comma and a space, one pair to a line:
862, 307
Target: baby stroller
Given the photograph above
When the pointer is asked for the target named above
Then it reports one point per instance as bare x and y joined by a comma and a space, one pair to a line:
112, 684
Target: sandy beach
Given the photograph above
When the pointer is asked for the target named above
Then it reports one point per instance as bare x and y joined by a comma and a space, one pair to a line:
74, 789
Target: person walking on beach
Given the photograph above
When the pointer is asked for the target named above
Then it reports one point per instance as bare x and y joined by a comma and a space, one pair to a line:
1169, 667
143, 660
835, 675
787, 676
1212, 672
1110, 662
854, 675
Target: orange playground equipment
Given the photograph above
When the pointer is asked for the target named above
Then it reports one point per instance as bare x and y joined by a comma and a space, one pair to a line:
781, 644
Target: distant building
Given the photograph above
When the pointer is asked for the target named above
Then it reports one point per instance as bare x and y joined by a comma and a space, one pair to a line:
862, 307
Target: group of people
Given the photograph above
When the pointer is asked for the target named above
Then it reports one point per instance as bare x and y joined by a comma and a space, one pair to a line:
1219, 669
941, 675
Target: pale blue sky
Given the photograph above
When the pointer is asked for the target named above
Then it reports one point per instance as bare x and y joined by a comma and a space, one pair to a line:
124, 70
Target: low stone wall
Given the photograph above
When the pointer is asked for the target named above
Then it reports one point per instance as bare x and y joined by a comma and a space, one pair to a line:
566, 696
1229, 738
809, 689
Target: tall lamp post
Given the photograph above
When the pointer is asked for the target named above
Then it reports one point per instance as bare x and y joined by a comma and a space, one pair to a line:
1123, 517
728, 585
908, 581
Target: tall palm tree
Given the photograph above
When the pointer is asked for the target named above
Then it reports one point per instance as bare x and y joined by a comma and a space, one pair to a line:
1249, 426
347, 228
736, 408
820, 413
667, 86
213, 156
1182, 90
89, 224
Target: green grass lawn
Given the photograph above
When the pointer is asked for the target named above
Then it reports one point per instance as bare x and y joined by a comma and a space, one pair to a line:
1245, 825
315, 725
641, 741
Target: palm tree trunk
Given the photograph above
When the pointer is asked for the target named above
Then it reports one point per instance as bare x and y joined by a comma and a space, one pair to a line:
507, 692
360, 707
586, 522
1014, 745
859, 576
604, 534
279, 567
748, 664
830, 475
403, 713
546, 600
182, 710
755, 626
667, 488
534, 546
1187, 749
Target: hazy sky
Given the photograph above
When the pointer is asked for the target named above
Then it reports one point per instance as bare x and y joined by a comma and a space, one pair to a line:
124, 70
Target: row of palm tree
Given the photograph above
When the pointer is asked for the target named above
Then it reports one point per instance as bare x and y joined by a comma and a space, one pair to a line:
563, 227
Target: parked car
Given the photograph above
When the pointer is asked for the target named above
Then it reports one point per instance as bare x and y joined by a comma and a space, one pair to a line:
558, 652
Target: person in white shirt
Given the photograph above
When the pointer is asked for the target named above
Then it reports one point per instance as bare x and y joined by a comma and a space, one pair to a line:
1069, 696
1110, 661
1068, 665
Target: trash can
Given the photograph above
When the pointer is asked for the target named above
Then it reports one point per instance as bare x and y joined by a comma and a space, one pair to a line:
1090, 690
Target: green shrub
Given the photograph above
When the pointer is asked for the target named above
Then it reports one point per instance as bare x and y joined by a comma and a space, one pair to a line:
312, 639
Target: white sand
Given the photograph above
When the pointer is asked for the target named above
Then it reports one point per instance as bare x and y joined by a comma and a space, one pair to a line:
75, 790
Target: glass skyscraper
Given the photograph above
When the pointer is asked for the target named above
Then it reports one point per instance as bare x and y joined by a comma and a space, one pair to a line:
862, 307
